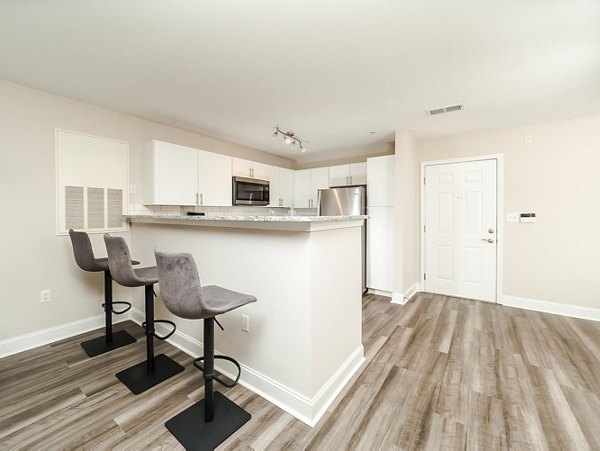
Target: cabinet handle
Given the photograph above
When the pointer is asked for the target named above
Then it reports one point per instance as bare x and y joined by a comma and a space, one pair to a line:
350, 177
347, 180
201, 199
197, 201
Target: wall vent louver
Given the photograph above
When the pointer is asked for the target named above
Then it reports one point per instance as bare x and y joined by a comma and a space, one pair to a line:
446, 109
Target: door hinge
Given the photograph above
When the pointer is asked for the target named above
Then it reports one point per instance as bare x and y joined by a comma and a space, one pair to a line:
424, 229
424, 183
424, 276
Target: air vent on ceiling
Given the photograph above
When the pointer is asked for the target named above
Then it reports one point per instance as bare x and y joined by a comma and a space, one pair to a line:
446, 109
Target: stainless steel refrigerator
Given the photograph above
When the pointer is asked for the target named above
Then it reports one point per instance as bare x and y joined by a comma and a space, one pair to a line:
347, 200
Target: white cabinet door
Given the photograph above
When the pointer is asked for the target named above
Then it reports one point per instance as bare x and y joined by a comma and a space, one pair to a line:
247, 168
302, 188
319, 180
214, 183
380, 249
339, 175
286, 187
171, 174
259, 171
380, 181
241, 168
358, 173
272, 175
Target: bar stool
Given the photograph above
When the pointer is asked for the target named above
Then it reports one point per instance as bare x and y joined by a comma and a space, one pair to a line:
154, 370
209, 422
85, 259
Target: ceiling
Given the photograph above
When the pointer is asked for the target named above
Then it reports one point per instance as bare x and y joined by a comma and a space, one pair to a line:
331, 71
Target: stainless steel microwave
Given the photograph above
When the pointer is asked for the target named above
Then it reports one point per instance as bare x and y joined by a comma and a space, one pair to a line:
248, 191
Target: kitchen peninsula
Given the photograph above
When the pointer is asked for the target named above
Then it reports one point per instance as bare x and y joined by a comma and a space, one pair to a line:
304, 340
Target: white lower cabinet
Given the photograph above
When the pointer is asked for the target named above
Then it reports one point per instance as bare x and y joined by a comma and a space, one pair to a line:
380, 249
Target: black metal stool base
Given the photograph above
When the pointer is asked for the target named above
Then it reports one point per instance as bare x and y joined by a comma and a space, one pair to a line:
190, 429
138, 379
99, 345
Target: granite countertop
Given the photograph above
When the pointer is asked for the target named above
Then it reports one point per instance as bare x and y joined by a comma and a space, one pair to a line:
248, 218
264, 222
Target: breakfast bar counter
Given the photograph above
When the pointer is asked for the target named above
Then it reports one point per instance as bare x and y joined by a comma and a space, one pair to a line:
305, 333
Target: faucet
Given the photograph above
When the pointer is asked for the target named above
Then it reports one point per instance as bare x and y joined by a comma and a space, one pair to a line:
292, 211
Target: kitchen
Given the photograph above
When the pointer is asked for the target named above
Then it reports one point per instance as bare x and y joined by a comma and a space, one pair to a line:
171, 102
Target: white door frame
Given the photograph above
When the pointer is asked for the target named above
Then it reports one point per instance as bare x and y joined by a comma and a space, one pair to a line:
499, 212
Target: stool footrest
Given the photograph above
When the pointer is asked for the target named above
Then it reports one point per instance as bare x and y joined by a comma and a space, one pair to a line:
200, 366
120, 312
164, 337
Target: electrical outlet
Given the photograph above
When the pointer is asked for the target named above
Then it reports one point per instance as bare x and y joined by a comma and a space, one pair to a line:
132, 189
245, 323
45, 296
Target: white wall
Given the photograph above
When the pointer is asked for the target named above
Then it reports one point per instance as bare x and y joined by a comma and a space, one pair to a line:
406, 213
33, 257
557, 176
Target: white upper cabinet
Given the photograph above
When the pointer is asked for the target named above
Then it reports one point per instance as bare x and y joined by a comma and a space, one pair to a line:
250, 169
302, 188
286, 187
339, 175
358, 173
281, 187
307, 184
348, 174
171, 174
214, 182
319, 180
380, 181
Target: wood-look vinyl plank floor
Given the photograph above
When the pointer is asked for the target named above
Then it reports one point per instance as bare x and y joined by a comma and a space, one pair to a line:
440, 373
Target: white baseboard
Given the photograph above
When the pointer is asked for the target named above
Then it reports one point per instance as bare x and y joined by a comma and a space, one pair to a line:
305, 409
551, 307
380, 292
403, 298
43, 337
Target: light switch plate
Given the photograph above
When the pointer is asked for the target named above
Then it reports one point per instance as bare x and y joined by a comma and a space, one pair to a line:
512, 217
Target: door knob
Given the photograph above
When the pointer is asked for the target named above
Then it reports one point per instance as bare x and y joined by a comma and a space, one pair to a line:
489, 240
490, 230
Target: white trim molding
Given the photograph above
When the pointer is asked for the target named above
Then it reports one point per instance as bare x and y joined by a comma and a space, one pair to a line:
380, 292
307, 410
401, 299
537, 305
45, 336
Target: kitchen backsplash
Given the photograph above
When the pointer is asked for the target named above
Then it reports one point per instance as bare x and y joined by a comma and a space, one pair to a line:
175, 210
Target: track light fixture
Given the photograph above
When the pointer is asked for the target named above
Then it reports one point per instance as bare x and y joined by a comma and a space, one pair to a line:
289, 138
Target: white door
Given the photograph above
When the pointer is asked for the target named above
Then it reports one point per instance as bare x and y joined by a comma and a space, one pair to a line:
460, 229
286, 186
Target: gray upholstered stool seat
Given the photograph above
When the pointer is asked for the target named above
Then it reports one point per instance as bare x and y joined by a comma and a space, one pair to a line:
86, 260
184, 296
154, 370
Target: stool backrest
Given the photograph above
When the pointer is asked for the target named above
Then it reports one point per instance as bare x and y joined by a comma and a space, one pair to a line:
180, 287
84, 254
119, 261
